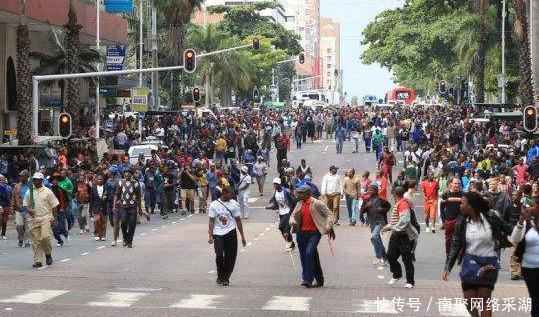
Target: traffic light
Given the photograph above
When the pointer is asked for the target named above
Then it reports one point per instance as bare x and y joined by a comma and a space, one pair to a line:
64, 125
196, 94
255, 94
530, 118
451, 90
256, 43
441, 87
301, 58
190, 60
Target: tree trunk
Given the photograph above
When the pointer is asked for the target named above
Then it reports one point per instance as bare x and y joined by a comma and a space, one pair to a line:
207, 82
521, 29
480, 62
72, 29
24, 80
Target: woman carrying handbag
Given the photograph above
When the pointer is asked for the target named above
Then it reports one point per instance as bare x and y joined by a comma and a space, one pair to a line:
479, 234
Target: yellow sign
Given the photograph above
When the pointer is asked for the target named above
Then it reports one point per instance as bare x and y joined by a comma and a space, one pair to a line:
139, 99
11, 132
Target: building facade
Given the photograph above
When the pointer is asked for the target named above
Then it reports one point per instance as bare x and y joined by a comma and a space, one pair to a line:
42, 16
330, 53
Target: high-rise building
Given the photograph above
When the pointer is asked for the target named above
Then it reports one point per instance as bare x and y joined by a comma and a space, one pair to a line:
330, 53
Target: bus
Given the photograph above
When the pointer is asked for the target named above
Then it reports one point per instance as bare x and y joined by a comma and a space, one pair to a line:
402, 95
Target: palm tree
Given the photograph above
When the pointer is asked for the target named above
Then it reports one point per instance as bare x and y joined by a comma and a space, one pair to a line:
24, 81
72, 64
178, 16
521, 29
481, 7
231, 69
52, 64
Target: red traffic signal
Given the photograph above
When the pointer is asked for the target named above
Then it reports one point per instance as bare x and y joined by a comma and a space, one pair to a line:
301, 58
530, 119
256, 43
64, 125
190, 60
196, 94
441, 87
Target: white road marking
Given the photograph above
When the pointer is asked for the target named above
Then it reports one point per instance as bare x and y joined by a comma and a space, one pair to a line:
252, 199
164, 226
249, 244
34, 297
139, 289
101, 247
378, 306
189, 216
242, 250
256, 239
453, 310
198, 302
143, 233
117, 299
182, 219
267, 229
84, 253
155, 229
174, 222
325, 148
262, 234
65, 260
288, 303
211, 272
43, 267
8, 309
380, 277
380, 267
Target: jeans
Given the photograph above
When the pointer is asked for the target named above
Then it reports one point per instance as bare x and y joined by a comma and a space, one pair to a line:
69, 215
129, 224
339, 145
167, 204
405, 145
378, 151
152, 199
531, 276
449, 229
60, 228
243, 197
308, 252
400, 245
351, 205
376, 240
226, 250
83, 215
367, 145
355, 142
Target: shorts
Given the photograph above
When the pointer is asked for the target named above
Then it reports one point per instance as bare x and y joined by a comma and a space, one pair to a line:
470, 286
430, 208
284, 223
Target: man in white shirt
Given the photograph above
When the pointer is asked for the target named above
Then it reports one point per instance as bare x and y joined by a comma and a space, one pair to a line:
225, 217
331, 191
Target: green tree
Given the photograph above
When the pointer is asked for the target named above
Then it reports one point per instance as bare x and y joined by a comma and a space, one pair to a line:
56, 63
24, 81
72, 65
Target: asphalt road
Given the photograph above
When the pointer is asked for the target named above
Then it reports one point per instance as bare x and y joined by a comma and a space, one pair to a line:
170, 271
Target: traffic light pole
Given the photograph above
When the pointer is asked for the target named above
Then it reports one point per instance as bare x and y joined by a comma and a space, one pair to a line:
37, 79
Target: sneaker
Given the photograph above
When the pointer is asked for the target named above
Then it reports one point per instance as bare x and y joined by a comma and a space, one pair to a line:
124, 243
225, 283
4, 238
129, 246
307, 284
27, 245
427, 229
148, 217
392, 281
376, 262
113, 243
219, 282
82, 231
60, 244
37, 264
103, 239
96, 238
433, 230
337, 223
20, 244
408, 285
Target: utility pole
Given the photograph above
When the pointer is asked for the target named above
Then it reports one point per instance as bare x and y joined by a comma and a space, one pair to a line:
98, 66
502, 79
155, 75
141, 40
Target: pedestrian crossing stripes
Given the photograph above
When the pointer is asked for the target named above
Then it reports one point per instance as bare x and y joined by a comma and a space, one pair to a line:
118, 299
134, 297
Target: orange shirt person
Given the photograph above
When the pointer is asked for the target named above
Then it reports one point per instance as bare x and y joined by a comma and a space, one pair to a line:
430, 187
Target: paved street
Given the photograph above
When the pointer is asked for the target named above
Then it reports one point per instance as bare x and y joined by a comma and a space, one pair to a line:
170, 271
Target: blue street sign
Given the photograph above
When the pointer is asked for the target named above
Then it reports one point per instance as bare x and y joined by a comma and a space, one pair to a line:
108, 124
115, 57
119, 6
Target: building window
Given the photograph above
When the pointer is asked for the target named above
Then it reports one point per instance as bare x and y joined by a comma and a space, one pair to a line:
329, 51
329, 66
11, 85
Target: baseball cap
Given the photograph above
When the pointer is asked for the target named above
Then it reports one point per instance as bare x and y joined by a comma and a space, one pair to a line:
244, 169
303, 189
38, 175
277, 180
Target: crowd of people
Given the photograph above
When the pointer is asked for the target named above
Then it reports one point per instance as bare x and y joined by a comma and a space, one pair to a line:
478, 181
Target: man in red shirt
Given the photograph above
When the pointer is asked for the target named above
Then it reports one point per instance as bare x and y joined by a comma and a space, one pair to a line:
310, 220
429, 187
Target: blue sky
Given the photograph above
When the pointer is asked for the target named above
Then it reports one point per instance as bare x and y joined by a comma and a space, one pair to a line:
354, 15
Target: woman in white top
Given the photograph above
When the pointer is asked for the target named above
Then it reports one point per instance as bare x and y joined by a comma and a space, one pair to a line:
260, 170
225, 217
526, 237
